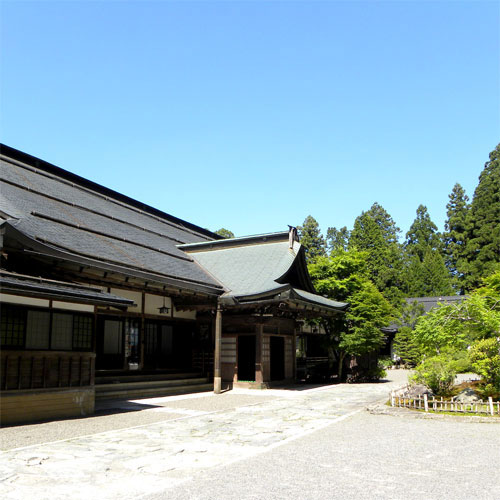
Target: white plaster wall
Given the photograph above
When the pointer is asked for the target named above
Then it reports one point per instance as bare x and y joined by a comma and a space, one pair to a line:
154, 302
28, 301
127, 294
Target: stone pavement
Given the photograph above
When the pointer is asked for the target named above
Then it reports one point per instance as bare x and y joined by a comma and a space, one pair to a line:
150, 458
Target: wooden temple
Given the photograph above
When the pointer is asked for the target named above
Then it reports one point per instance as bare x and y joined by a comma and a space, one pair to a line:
102, 293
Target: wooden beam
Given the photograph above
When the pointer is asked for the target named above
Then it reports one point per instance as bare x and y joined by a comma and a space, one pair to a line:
217, 354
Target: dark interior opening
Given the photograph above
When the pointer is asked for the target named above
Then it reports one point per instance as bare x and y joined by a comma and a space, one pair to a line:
277, 345
246, 357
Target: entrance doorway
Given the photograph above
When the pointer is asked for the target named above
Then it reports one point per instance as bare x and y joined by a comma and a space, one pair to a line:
277, 345
158, 346
246, 357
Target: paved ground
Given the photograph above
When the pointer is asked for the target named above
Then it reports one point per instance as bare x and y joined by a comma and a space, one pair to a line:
317, 443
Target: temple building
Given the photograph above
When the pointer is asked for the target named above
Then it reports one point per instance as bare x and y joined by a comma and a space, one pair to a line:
103, 296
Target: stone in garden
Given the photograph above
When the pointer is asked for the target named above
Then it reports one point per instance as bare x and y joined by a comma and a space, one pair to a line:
468, 395
419, 390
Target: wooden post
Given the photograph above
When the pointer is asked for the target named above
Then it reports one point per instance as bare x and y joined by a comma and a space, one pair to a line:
259, 329
490, 402
426, 403
217, 354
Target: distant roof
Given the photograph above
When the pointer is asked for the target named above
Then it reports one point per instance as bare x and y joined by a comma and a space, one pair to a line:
63, 214
255, 268
429, 302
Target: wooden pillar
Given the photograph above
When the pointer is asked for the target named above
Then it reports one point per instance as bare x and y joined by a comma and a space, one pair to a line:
259, 376
217, 354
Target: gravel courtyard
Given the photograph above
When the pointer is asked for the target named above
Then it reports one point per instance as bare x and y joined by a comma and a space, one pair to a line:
307, 443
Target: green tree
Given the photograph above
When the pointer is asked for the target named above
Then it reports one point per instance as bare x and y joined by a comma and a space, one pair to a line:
485, 359
311, 239
344, 276
459, 325
429, 277
405, 345
422, 235
376, 233
225, 233
455, 235
482, 250
337, 239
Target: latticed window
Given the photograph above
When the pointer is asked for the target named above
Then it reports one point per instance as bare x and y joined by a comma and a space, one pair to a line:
38, 330
12, 326
82, 332
62, 331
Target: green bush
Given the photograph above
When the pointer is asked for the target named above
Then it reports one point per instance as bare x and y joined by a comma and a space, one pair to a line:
459, 360
437, 373
485, 360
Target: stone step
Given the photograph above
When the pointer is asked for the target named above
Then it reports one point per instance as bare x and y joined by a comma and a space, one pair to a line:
149, 392
149, 384
142, 377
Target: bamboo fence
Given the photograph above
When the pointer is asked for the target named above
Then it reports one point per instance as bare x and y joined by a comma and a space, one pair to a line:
425, 403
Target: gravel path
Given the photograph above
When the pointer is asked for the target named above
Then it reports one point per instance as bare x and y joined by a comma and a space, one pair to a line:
156, 456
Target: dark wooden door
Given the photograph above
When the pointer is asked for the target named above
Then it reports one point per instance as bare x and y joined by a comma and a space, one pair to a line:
277, 358
110, 345
246, 357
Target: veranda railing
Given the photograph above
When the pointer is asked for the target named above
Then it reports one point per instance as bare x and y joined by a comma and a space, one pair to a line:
425, 403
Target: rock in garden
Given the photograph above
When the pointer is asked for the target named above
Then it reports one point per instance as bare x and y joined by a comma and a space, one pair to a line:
468, 395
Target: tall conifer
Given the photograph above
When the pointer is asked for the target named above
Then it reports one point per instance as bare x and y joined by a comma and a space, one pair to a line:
311, 238
455, 234
482, 250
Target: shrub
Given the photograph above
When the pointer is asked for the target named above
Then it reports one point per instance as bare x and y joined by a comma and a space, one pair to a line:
437, 374
485, 359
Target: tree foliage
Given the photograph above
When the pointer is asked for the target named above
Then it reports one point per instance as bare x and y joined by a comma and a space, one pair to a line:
376, 233
422, 235
311, 239
225, 233
337, 239
461, 324
344, 276
455, 235
482, 249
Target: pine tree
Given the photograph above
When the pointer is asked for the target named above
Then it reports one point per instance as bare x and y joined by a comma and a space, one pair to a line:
311, 239
337, 239
423, 234
376, 233
482, 249
426, 272
455, 235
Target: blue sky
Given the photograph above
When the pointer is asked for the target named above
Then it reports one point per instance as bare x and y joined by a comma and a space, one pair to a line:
253, 115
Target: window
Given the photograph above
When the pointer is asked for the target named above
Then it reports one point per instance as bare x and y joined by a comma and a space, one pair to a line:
82, 333
23, 328
38, 330
12, 326
62, 331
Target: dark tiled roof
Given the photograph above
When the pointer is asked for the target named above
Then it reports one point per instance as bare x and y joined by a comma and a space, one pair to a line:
429, 302
57, 290
66, 212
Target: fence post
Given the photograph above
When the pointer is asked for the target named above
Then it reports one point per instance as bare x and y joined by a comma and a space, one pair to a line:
490, 401
392, 399
426, 403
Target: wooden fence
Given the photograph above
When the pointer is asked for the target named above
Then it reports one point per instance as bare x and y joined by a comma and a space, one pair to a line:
45, 369
425, 403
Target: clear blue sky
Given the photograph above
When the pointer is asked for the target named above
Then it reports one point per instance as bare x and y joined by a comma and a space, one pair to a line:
253, 115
